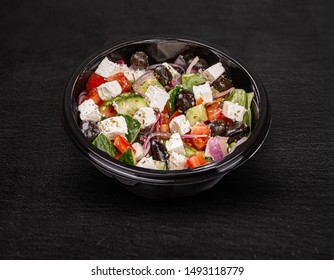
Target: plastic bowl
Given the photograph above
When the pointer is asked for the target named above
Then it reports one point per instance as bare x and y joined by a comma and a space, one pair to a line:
158, 184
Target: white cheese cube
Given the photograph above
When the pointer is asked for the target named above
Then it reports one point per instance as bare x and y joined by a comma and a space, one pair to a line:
113, 126
203, 91
156, 97
147, 163
131, 74
180, 125
89, 111
175, 144
145, 116
139, 151
106, 68
176, 75
177, 162
233, 111
109, 90
213, 72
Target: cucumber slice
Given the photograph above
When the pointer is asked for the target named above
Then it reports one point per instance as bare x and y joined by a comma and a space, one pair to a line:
129, 105
196, 114
190, 151
128, 157
161, 165
133, 127
152, 81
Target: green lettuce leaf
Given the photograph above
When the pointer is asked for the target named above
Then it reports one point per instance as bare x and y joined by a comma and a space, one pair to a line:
190, 80
238, 96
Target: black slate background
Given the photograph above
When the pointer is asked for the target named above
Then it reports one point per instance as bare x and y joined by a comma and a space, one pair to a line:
55, 205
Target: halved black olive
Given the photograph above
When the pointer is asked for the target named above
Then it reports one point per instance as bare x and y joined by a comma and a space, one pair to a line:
184, 100
158, 150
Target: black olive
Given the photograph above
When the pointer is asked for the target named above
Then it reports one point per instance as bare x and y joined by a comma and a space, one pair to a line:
218, 128
158, 150
90, 130
238, 131
184, 100
222, 84
201, 63
139, 61
163, 75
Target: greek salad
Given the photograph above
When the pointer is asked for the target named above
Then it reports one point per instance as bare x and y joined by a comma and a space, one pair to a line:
173, 115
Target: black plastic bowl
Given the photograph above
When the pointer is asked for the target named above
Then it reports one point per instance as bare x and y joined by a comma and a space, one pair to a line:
160, 184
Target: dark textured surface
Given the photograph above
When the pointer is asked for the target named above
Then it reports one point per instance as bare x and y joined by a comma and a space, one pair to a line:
55, 205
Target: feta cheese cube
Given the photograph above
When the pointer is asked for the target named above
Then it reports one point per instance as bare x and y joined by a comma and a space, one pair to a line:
156, 97
180, 125
203, 91
89, 111
213, 72
131, 74
113, 126
233, 111
175, 144
145, 116
106, 68
109, 90
139, 151
147, 163
177, 162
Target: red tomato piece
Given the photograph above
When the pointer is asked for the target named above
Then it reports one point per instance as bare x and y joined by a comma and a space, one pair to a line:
199, 143
93, 94
215, 112
122, 80
108, 111
196, 160
164, 120
94, 81
122, 144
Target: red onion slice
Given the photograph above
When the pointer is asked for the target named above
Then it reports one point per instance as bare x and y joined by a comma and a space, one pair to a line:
141, 80
177, 66
120, 62
81, 97
154, 126
146, 149
194, 135
153, 66
215, 148
224, 93
181, 62
192, 64
155, 134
